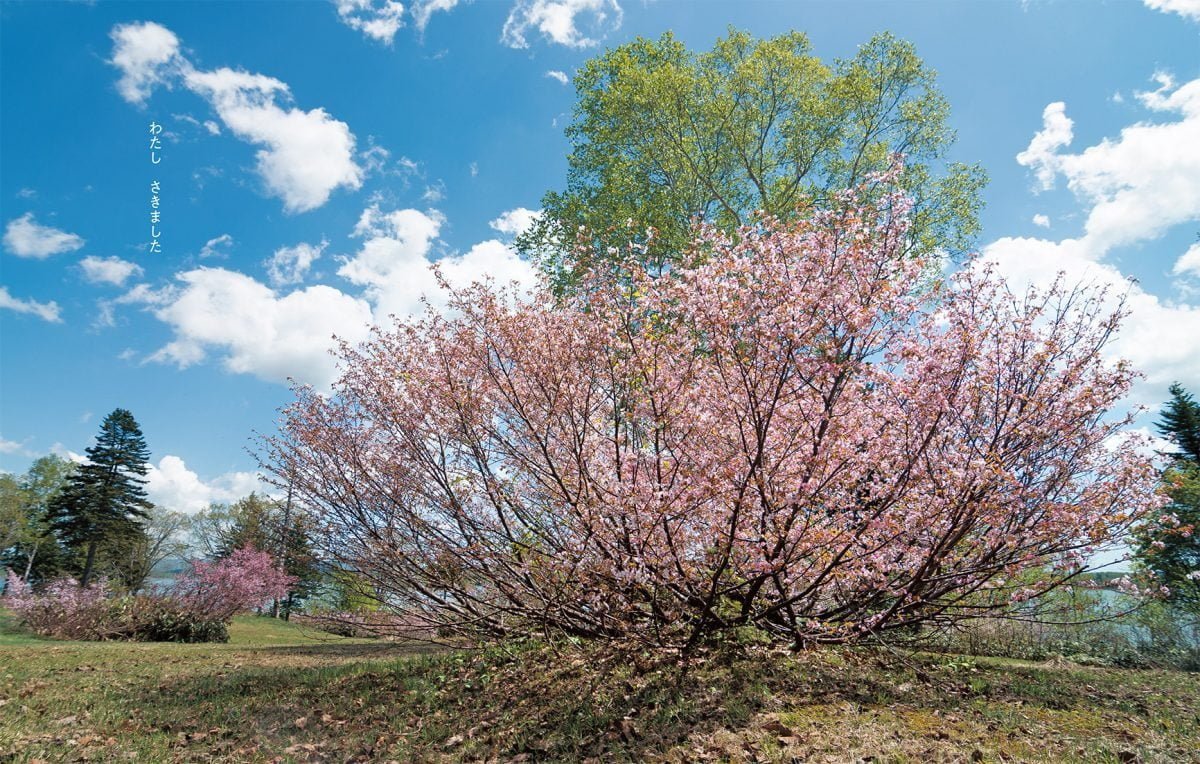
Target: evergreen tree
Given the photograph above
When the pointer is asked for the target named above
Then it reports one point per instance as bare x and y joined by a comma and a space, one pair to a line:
1173, 553
1180, 424
104, 503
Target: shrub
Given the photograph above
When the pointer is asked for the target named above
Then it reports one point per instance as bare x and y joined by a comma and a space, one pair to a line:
217, 590
65, 610
795, 430
196, 608
156, 619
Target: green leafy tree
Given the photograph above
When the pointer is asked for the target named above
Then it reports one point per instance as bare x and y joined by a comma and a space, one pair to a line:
662, 136
29, 546
1172, 551
102, 508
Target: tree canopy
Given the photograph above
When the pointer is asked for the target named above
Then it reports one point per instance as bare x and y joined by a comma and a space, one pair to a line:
662, 136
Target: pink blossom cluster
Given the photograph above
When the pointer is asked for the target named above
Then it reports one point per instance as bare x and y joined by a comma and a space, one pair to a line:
246, 579
63, 608
803, 428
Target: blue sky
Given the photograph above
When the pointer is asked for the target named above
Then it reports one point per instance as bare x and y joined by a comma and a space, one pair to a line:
316, 156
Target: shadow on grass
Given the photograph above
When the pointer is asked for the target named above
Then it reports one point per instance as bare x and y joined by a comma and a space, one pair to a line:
573, 705
320, 648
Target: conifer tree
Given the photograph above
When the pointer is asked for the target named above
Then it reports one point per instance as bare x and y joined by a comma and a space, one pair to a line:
1180, 424
104, 503
1171, 549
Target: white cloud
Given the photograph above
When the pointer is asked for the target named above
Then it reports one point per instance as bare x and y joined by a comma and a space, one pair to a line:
423, 9
1041, 221
1056, 133
1160, 337
379, 20
1134, 188
256, 330
108, 270
306, 155
147, 55
560, 21
217, 246
58, 449
562, 77
11, 446
1188, 263
25, 237
394, 262
289, 265
47, 311
27, 193
1189, 9
515, 222
172, 485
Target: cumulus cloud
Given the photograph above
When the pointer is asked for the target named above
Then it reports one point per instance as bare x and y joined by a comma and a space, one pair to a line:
25, 237
254, 329
108, 270
47, 311
1041, 221
1056, 133
573, 23
217, 246
1189, 9
379, 20
305, 155
562, 77
1134, 188
147, 55
172, 485
276, 334
515, 222
393, 264
289, 265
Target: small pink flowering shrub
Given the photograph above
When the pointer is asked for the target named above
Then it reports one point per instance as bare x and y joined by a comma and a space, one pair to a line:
246, 579
196, 608
64, 610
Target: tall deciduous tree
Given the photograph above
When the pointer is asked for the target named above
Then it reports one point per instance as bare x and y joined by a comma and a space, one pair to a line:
662, 136
796, 433
32, 550
104, 503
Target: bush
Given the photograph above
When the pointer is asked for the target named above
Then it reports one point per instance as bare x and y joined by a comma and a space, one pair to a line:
64, 610
155, 619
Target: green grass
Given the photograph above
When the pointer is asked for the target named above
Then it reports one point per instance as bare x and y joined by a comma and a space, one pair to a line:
278, 692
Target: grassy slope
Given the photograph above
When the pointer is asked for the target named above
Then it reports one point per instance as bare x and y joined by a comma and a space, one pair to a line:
276, 690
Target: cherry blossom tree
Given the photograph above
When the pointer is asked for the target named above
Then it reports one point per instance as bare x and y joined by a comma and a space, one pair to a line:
247, 578
798, 429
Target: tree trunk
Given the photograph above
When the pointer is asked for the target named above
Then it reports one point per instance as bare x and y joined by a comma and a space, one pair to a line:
29, 558
87, 566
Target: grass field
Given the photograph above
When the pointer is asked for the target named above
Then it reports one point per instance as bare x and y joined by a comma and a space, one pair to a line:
280, 693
